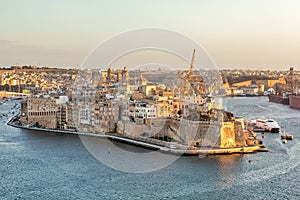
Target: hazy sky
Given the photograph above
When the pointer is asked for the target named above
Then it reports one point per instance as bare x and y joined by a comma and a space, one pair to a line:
236, 33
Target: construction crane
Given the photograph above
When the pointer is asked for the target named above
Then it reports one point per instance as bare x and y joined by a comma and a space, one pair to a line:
189, 73
192, 64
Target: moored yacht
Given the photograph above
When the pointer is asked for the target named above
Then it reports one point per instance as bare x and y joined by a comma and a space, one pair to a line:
268, 125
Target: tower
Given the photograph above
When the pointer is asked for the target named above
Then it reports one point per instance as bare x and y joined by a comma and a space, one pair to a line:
291, 78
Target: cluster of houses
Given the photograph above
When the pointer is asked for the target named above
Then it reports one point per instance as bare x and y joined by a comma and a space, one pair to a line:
99, 108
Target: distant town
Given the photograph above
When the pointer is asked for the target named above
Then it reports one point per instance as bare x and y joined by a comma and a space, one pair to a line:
37, 80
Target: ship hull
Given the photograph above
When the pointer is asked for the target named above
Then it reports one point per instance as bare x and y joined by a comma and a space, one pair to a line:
279, 99
295, 101
275, 130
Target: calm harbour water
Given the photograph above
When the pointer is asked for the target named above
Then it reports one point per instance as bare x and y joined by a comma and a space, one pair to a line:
40, 165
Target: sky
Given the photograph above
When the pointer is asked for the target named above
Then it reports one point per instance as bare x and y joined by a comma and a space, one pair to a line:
245, 34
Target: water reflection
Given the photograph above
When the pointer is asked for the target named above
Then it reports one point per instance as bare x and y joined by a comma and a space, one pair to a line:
228, 166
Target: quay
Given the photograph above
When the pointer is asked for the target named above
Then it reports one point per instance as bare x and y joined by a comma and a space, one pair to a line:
153, 144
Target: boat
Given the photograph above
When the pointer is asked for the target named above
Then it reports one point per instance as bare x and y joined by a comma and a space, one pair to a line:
287, 137
284, 96
279, 98
268, 125
294, 101
284, 141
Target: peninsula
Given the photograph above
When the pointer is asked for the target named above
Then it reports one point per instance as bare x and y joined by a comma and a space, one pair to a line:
176, 114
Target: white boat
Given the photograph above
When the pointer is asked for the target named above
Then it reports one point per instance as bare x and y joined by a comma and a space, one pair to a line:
284, 141
268, 125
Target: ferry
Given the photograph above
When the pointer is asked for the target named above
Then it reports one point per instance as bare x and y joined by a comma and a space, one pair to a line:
268, 125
